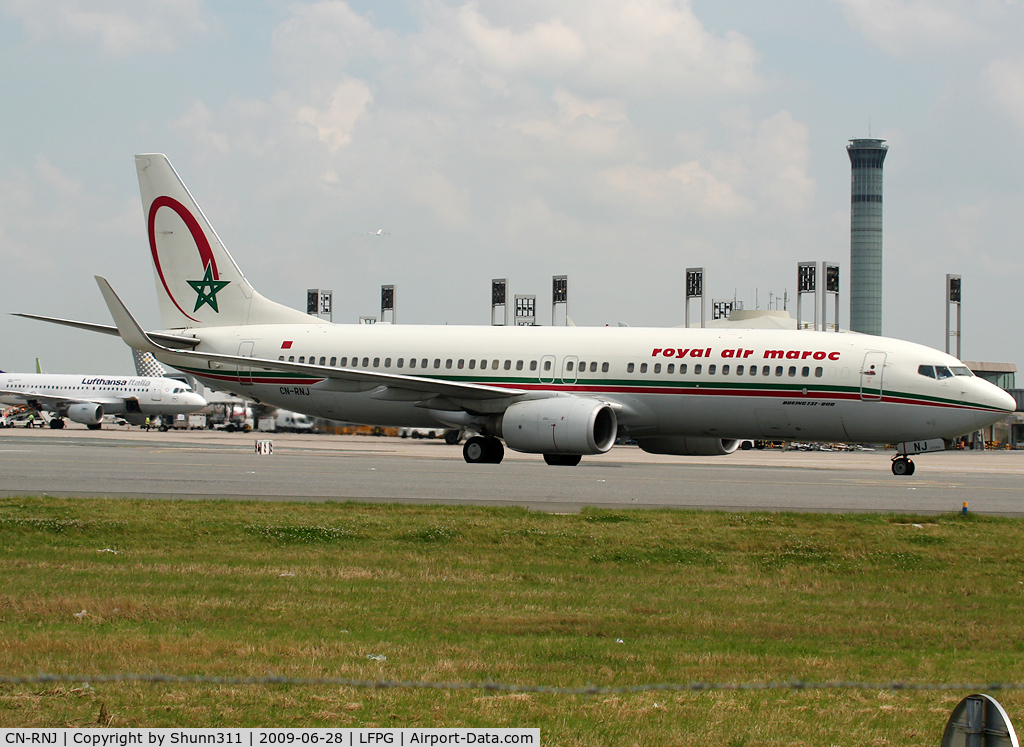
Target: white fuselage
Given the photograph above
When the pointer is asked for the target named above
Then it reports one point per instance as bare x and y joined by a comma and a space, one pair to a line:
119, 395
719, 383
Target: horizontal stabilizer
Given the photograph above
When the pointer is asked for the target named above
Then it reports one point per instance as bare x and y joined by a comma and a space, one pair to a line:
171, 341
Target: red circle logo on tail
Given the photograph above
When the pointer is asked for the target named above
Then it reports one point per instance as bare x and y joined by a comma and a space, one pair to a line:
198, 236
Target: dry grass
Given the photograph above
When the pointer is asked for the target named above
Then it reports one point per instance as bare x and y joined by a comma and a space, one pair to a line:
459, 594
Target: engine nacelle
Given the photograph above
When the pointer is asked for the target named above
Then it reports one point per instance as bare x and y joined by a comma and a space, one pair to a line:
686, 446
560, 425
88, 413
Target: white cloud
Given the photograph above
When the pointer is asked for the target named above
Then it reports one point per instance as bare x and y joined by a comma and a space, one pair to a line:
334, 124
902, 26
120, 27
548, 46
1005, 79
326, 36
642, 47
759, 167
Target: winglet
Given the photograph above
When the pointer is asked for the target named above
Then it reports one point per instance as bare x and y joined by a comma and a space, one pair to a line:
130, 330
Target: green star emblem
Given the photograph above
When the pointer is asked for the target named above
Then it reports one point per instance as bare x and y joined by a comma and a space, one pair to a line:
207, 297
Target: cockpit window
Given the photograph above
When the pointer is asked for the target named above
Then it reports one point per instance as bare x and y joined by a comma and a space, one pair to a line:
928, 371
941, 372
961, 371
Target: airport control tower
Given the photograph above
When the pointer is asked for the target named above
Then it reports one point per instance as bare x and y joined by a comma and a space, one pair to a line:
866, 157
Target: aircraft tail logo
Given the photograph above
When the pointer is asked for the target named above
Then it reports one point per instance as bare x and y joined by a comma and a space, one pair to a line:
198, 283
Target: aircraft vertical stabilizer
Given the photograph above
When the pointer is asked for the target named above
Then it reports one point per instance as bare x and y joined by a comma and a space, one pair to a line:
198, 283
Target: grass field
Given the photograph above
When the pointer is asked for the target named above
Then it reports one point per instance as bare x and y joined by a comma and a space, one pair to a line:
454, 594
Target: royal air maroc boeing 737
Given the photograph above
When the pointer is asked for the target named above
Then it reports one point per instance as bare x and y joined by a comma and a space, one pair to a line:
87, 398
563, 392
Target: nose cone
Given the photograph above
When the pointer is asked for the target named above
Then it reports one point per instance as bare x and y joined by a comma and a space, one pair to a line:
194, 400
998, 400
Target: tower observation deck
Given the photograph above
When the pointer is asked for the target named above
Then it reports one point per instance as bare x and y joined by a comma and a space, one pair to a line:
866, 157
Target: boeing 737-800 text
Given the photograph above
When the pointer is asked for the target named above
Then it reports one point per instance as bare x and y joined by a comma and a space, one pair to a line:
563, 392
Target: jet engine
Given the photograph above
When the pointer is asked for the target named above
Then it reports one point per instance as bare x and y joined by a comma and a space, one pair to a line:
560, 425
686, 446
88, 413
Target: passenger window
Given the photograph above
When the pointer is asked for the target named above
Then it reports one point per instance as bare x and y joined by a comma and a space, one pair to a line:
412, 363
291, 358
711, 369
494, 364
437, 362
423, 363
942, 372
448, 363
818, 372
671, 368
280, 357
778, 370
366, 362
583, 366
302, 359
697, 369
519, 365
682, 368
725, 370
322, 360
629, 368
387, 363
533, 365
792, 370
593, 366
508, 365
483, 364
568, 365
806, 371
461, 363
657, 368
472, 363
401, 362
643, 368
376, 362
739, 370
334, 361
547, 365
928, 371
604, 368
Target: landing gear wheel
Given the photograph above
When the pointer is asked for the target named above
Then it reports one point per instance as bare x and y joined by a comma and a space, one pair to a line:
93, 426
474, 451
57, 423
902, 466
562, 460
479, 450
452, 437
495, 451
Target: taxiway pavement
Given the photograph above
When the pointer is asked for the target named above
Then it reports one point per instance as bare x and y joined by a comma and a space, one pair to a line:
200, 465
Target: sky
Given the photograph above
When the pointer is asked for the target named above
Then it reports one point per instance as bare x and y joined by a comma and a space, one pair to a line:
616, 141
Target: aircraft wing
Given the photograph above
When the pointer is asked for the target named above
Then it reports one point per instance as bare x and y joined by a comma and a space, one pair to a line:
106, 329
398, 386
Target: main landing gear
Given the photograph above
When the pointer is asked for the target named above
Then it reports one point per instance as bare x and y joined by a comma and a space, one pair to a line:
901, 465
480, 450
56, 423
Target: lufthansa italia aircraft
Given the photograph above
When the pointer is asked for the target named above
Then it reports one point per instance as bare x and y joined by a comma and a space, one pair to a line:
86, 399
562, 392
